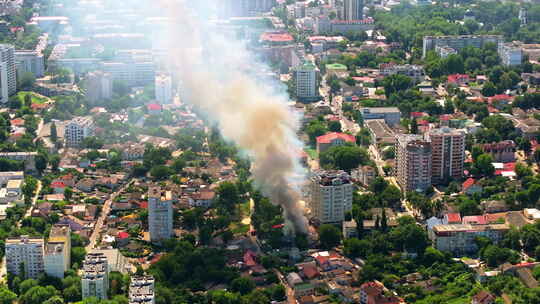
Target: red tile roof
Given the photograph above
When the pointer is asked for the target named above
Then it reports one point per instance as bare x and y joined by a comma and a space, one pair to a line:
123, 235
328, 138
310, 271
456, 78
475, 219
468, 183
276, 37
17, 122
249, 258
58, 185
453, 217
154, 107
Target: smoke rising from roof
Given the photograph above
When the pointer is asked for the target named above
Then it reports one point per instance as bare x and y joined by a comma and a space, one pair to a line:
214, 72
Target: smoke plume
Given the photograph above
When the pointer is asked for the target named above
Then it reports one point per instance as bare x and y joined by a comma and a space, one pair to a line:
217, 73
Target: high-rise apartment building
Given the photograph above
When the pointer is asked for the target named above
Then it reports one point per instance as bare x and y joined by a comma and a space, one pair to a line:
353, 10
95, 278
160, 214
307, 84
510, 53
24, 256
448, 153
98, 86
331, 196
413, 162
77, 130
57, 259
4, 85
141, 290
29, 61
7, 56
163, 89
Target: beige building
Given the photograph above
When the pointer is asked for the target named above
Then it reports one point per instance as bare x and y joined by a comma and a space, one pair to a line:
460, 238
57, 259
448, 153
413, 162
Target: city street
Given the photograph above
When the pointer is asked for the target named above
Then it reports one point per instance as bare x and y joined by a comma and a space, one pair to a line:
104, 214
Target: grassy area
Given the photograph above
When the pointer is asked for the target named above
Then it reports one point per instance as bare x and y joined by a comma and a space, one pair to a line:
461, 300
238, 228
37, 99
311, 152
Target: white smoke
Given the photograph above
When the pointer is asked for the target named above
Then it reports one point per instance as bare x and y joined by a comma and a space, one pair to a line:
214, 71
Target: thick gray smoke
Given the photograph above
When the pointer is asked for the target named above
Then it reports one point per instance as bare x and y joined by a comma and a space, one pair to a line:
216, 73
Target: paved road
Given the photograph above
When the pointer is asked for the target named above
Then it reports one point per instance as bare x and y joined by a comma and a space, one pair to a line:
34, 200
104, 214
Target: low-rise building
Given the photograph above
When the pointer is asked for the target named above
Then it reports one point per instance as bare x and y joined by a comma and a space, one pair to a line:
390, 115
415, 72
503, 151
460, 238
376, 293
324, 142
350, 229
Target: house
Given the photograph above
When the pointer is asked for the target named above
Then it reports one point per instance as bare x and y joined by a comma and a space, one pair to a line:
109, 182
470, 186
58, 187
302, 290
375, 293
85, 185
483, 297
324, 142
202, 199
122, 238
458, 79
154, 109
503, 151
452, 218
494, 206
294, 278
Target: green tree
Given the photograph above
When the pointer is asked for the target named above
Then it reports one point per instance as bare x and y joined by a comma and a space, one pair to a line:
395, 83
54, 133
329, 236
160, 172
334, 126
345, 157
7, 296
243, 285
484, 165
38, 295
489, 89
27, 80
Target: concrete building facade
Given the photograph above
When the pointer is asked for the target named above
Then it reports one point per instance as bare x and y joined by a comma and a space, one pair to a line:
141, 290
510, 54
163, 89
7, 58
391, 115
29, 61
448, 153
331, 196
460, 238
160, 214
413, 162
95, 278
353, 10
99, 86
77, 130
24, 256
307, 81
458, 42
57, 259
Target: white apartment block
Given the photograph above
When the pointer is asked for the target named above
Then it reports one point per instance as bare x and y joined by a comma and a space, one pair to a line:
458, 42
415, 72
510, 54
163, 89
7, 57
331, 196
160, 214
4, 84
58, 251
141, 290
460, 238
448, 153
95, 278
77, 130
133, 73
24, 256
307, 85
29, 61
98, 86
413, 162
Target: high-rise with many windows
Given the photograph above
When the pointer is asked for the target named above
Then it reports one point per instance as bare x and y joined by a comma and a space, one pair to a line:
24, 256
57, 258
353, 10
413, 162
307, 85
141, 290
77, 130
95, 278
448, 153
160, 214
331, 196
7, 56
